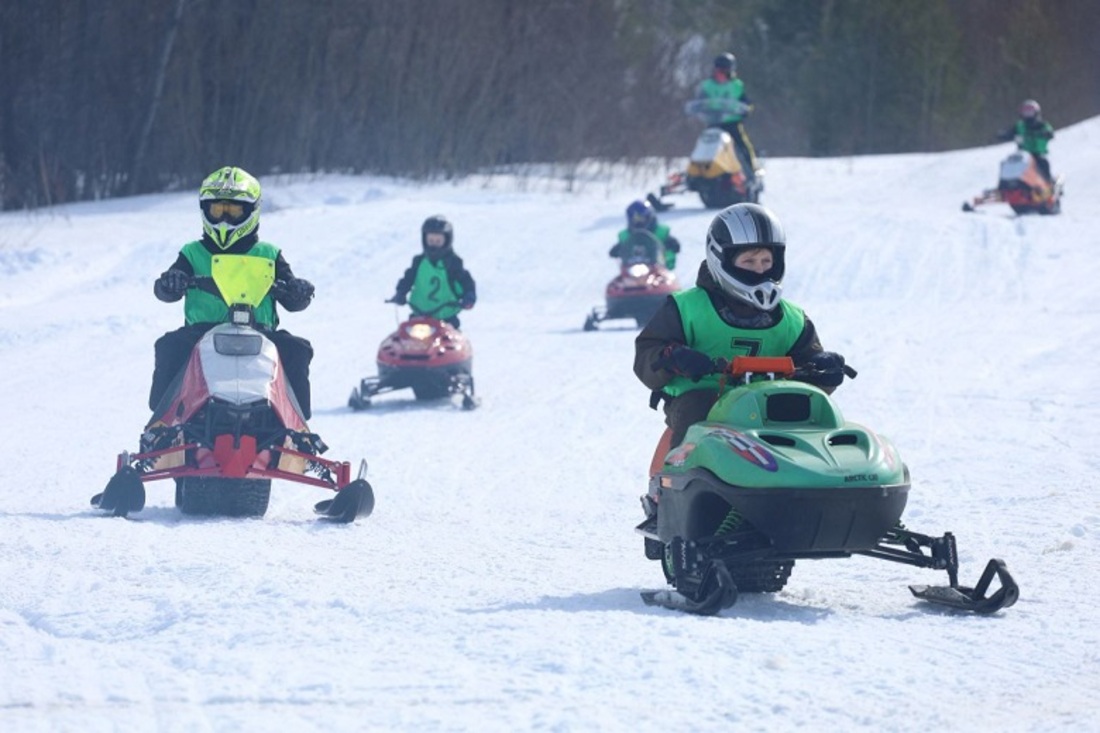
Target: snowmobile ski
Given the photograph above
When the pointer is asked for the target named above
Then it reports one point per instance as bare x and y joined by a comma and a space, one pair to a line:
722, 594
356, 499
124, 493
974, 599
658, 204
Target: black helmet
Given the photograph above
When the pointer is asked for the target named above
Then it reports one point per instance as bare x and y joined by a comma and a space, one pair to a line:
739, 228
727, 62
437, 224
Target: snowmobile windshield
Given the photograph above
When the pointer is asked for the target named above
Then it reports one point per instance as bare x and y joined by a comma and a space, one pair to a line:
242, 279
640, 247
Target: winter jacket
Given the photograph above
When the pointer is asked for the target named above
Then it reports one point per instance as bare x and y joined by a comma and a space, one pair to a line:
199, 310
717, 98
1031, 135
433, 282
667, 328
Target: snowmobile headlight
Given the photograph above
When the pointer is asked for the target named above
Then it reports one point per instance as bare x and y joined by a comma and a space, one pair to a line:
240, 315
421, 331
238, 344
638, 270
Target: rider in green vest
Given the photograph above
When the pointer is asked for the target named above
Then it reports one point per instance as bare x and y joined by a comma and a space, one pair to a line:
1032, 133
721, 102
436, 283
735, 309
641, 217
229, 199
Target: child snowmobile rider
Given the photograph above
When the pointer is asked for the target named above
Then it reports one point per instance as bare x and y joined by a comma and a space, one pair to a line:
641, 217
436, 283
230, 202
724, 104
1032, 133
735, 309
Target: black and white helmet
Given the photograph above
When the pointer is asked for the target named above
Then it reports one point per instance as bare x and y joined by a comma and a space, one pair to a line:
742, 227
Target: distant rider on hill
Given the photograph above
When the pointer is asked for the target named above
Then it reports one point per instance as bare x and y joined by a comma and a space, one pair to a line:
1031, 133
721, 102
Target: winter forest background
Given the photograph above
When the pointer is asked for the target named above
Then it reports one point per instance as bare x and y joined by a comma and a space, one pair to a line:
105, 98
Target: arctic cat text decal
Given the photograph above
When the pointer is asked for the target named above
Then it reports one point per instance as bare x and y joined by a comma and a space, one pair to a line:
748, 449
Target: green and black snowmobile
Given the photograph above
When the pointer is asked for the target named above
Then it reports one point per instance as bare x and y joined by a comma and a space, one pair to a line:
774, 475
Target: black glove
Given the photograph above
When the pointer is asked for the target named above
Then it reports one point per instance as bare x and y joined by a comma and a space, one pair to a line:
672, 244
301, 290
294, 295
398, 298
467, 300
173, 282
686, 362
826, 369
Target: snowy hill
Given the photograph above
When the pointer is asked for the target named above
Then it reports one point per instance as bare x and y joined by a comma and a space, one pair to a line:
496, 585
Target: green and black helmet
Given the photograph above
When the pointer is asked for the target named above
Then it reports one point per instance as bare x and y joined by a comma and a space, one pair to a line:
230, 203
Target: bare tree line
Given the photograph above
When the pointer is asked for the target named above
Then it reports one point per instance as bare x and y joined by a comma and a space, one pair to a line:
101, 98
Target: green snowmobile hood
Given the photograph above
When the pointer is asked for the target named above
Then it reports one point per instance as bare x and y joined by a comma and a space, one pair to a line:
785, 434
243, 279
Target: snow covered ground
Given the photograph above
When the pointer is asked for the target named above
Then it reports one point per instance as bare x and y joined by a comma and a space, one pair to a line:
496, 585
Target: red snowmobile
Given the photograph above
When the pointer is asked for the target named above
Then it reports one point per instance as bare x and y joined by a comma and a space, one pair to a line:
230, 422
641, 286
428, 355
1022, 187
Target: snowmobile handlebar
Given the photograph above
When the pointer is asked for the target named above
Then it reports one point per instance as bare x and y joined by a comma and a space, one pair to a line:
432, 313
743, 367
707, 108
205, 284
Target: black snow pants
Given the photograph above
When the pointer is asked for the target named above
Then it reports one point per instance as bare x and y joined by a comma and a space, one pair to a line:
683, 411
745, 151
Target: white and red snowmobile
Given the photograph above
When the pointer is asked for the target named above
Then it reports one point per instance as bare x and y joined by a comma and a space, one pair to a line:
1022, 187
229, 424
425, 354
641, 286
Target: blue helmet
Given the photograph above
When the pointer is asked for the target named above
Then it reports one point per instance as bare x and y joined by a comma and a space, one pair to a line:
640, 215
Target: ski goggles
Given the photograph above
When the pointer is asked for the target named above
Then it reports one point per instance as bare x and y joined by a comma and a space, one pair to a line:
233, 212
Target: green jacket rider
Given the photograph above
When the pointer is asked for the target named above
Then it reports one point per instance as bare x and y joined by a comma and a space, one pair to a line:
436, 284
735, 309
1032, 134
229, 199
721, 101
641, 217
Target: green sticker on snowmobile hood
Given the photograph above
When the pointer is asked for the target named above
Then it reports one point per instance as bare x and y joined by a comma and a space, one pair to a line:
242, 278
